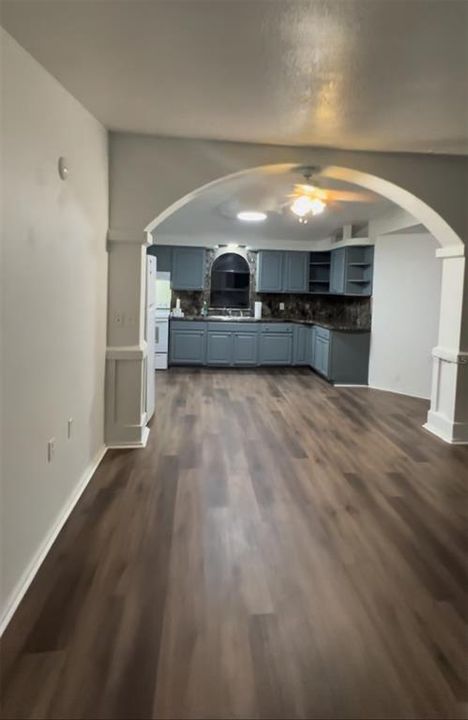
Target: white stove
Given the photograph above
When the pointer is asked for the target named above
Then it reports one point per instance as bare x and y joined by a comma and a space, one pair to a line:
161, 322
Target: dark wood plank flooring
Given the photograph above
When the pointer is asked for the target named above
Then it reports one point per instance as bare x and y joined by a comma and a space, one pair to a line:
281, 549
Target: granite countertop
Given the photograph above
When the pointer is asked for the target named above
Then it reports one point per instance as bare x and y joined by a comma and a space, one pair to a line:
329, 326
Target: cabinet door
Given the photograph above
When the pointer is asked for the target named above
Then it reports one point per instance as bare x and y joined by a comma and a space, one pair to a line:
270, 271
322, 352
219, 348
188, 268
188, 347
312, 346
296, 278
245, 348
337, 271
163, 254
276, 348
301, 345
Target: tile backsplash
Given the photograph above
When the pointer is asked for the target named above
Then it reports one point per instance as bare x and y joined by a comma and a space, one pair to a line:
355, 311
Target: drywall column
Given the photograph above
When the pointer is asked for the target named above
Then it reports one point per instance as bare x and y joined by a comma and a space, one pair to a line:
448, 415
126, 356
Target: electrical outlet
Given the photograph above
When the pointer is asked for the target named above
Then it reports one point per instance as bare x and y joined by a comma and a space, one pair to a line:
69, 427
281, 306
51, 450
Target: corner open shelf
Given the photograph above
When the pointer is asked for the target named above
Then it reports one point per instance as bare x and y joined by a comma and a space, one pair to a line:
319, 272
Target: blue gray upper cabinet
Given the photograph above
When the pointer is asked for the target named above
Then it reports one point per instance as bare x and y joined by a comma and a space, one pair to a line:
270, 271
188, 268
337, 271
351, 270
296, 265
163, 254
280, 271
359, 270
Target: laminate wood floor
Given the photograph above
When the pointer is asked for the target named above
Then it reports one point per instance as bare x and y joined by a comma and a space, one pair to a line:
281, 549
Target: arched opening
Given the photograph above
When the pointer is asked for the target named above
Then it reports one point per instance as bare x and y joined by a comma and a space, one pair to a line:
448, 414
446, 354
428, 217
230, 281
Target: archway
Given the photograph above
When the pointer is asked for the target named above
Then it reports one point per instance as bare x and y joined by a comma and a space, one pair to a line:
448, 414
435, 224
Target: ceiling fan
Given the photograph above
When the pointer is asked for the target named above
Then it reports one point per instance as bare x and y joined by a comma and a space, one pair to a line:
309, 198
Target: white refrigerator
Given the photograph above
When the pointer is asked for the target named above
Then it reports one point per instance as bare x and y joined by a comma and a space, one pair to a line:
161, 322
150, 316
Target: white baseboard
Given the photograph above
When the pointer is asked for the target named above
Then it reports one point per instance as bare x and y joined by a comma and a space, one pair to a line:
28, 575
131, 444
450, 432
398, 392
349, 385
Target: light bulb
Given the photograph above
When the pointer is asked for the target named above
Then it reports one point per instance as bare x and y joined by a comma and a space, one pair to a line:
318, 206
302, 205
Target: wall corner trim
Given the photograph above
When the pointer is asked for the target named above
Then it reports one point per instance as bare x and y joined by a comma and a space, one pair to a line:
131, 352
452, 251
457, 357
130, 236
19, 591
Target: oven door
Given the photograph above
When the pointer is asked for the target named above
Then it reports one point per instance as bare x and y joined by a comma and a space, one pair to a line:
161, 335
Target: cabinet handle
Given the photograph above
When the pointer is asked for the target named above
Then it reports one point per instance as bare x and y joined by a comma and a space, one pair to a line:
157, 333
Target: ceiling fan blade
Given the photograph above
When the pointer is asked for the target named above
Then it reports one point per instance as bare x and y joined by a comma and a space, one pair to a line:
347, 196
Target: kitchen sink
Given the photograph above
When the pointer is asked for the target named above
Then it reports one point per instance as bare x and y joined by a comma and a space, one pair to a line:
230, 318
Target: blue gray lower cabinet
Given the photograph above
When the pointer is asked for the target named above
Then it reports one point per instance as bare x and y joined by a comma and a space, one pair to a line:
301, 349
312, 333
219, 348
276, 344
245, 348
341, 357
187, 343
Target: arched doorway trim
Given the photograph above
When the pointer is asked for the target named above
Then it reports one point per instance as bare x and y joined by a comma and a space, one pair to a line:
435, 224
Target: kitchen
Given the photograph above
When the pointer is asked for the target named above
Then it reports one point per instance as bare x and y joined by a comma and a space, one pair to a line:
311, 309
234, 294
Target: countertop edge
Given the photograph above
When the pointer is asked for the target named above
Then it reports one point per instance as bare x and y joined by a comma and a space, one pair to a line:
253, 321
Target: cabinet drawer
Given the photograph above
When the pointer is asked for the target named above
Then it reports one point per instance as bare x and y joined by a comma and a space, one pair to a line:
277, 327
322, 333
231, 326
188, 325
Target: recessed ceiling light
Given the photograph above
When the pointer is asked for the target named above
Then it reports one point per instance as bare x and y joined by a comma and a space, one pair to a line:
251, 216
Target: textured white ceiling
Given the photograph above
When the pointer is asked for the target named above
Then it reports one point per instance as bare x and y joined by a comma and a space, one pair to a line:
358, 74
211, 216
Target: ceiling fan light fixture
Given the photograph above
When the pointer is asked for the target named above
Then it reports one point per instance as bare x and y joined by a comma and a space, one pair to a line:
305, 205
251, 216
318, 206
